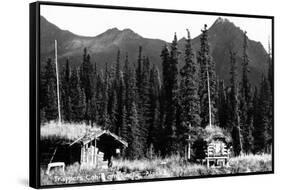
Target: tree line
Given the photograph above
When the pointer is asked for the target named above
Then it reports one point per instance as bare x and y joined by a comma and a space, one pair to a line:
161, 112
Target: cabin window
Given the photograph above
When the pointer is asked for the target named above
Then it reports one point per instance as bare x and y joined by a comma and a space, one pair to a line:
117, 151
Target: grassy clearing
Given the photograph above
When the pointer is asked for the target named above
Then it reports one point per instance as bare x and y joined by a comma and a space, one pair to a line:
157, 168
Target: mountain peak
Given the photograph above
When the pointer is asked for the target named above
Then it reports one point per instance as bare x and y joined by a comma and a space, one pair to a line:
128, 30
130, 33
125, 32
221, 20
223, 25
112, 30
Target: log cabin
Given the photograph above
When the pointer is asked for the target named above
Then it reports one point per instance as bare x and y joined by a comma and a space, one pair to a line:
92, 150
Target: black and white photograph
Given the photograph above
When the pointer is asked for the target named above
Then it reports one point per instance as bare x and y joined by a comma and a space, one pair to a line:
141, 94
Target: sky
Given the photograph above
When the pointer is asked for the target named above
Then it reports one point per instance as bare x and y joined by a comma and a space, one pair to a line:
156, 25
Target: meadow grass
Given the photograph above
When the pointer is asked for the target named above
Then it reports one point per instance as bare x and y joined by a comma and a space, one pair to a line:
251, 163
173, 166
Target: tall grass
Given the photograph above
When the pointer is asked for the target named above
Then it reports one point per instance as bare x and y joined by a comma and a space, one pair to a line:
173, 166
251, 163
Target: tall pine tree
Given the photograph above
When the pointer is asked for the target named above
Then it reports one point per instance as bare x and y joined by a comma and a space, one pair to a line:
207, 70
262, 132
146, 102
234, 104
153, 112
87, 85
222, 105
189, 96
170, 87
77, 98
51, 109
65, 88
245, 100
135, 148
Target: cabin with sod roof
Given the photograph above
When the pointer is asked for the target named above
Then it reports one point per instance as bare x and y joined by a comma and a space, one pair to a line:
218, 147
98, 147
90, 147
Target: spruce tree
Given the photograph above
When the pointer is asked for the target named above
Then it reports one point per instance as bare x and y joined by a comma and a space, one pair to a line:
262, 132
43, 100
121, 109
124, 133
51, 109
248, 139
100, 96
92, 110
134, 136
245, 84
66, 108
87, 85
234, 104
245, 100
256, 119
77, 98
119, 87
165, 54
105, 120
146, 103
153, 112
113, 110
139, 71
87, 75
135, 148
189, 96
207, 71
223, 107
140, 97
129, 85
170, 87
112, 99
127, 77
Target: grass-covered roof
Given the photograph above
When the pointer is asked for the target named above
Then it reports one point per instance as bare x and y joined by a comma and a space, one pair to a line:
214, 132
